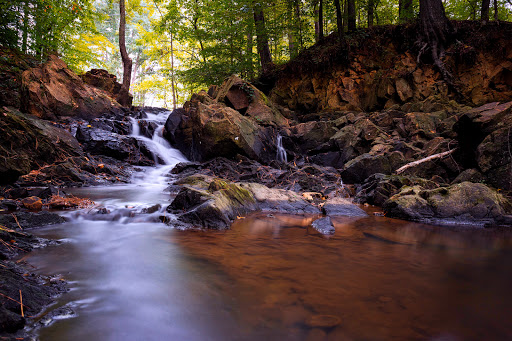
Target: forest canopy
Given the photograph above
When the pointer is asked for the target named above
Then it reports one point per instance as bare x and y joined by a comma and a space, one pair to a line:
178, 46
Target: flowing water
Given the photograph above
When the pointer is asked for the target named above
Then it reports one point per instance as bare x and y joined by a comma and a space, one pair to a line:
281, 152
270, 277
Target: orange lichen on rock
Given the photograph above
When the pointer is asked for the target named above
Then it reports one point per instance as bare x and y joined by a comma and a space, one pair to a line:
58, 202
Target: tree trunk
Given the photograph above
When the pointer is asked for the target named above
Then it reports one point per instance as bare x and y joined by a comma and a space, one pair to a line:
484, 12
351, 19
405, 10
299, 23
435, 35
292, 44
172, 72
25, 27
321, 20
262, 38
339, 18
248, 52
124, 97
495, 10
370, 12
317, 22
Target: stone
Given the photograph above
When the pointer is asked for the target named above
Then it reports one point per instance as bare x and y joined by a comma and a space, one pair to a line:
463, 203
324, 226
337, 206
30, 219
28, 143
52, 90
361, 167
32, 203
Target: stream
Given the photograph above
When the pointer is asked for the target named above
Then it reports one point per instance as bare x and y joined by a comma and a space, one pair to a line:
270, 277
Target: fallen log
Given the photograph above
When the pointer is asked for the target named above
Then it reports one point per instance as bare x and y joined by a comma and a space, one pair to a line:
428, 158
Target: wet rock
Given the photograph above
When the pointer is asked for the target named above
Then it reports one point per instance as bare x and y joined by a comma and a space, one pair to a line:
32, 203
8, 205
29, 143
337, 206
52, 90
209, 202
279, 200
30, 219
76, 172
467, 202
101, 142
324, 226
36, 296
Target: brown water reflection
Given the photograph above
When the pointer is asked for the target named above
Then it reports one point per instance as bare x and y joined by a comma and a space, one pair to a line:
385, 279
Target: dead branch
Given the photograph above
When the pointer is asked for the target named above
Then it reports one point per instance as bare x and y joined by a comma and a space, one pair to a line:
431, 157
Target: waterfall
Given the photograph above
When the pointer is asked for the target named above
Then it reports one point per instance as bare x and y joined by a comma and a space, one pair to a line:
157, 144
281, 152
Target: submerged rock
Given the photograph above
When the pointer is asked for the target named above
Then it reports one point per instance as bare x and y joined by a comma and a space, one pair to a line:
324, 226
466, 202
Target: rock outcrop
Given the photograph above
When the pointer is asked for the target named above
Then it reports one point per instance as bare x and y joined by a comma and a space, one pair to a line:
244, 124
53, 91
461, 203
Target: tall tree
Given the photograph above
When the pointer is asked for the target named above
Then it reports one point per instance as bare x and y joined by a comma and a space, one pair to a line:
495, 10
339, 18
405, 10
262, 37
124, 97
484, 13
351, 15
319, 20
435, 35
371, 8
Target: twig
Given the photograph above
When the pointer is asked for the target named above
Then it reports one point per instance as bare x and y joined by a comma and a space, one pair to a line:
16, 219
432, 157
21, 305
12, 299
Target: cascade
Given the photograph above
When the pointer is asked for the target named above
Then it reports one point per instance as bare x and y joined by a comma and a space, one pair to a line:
281, 152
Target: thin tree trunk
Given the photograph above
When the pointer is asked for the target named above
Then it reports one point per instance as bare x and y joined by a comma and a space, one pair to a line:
172, 72
317, 23
25, 27
299, 23
351, 11
262, 38
484, 12
292, 44
405, 10
339, 18
124, 97
248, 52
321, 20
495, 10
370, 12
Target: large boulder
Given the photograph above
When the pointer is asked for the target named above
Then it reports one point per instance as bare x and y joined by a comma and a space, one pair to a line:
249, 101
466, 202
26, 143
213, 203
206, 129
51, 90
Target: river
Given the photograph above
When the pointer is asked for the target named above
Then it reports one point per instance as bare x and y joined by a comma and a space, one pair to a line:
270, 277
